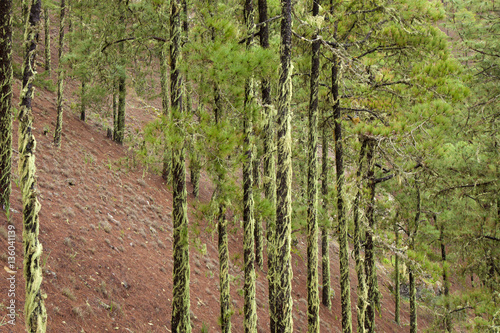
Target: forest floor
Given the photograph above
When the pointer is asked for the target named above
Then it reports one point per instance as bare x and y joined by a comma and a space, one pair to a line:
106, 229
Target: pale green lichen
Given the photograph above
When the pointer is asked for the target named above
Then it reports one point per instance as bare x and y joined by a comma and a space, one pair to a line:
60, 78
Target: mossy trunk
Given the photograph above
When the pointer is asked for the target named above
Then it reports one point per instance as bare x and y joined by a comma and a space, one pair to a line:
370, 271
60, 78
34, 308
325, 242
413, 230
115, 108
345, 283
269, 170
397, 283
312, 190
5, 103
47, 37
83, 106
225, 305
283, 264
250, 307
165, 174
362, 291
181, 322
258, 232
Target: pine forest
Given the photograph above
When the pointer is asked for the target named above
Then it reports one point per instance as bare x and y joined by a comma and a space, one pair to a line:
250, 166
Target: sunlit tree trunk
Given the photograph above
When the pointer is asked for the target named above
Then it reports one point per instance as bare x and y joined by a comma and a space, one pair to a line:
5, 103
60, 78
283, 273
34, 308
250, 307
362, 292
181, 322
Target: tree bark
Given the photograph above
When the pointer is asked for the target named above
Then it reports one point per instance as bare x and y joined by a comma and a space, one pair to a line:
284, 302
269, 178
5, 104
325, 243
34, 309
250, 307
83, 109
362, 291
312, 189
397, 277
370, 269
446, 283
180, 303
345, 283
60, 78
47, 38
165, 174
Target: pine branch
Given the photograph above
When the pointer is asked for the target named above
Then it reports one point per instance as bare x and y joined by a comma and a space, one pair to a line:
131, 38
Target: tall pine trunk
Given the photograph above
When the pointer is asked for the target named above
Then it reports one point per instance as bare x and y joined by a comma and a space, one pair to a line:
269, 176
180, 303
397, 307
283, 273
225, 305
250, 307
5, 103
371, 274
412, 234
345, 283
325, 243
34, 308
362, 292
165, 174
60, 78
446, 283
47, 37
312, 189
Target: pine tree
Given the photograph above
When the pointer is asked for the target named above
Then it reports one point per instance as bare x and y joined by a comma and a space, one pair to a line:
34, 309
312, 189
250, 307
46, 26
181, 271
345, 283
5, 103
325, 243
283, 294
60, 78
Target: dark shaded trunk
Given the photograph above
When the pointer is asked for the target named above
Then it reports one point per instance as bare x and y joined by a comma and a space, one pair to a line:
83, 109
47, 38
120, 114
181, 272
370, 269
225, 305
283, 273
446, 283
5, 103
412, 235
312, 189
325, 243
345, 283
397, 277
165, 174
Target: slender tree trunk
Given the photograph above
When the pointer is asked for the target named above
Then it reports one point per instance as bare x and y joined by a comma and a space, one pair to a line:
120, 114
283, 273
413, 293
269, 178
115, 109
258, 232
83, 109
180, 303
397, 277
345, 283
60, 78
446, 283
165, 108
47, 38
362, 291
5, 103
371, 274
325, 243
34, 309
312, 190
250, 307
225, 305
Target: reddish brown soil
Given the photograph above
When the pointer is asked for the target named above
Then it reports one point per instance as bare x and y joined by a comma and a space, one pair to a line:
106, 229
